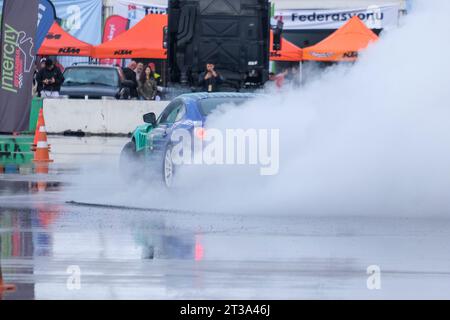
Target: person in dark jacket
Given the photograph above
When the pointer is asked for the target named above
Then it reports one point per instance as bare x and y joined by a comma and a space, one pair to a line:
210, 80
49, 80
130, 75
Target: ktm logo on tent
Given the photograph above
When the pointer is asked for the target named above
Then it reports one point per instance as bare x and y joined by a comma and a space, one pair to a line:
351, 54
70, 50
53, 36
122, 52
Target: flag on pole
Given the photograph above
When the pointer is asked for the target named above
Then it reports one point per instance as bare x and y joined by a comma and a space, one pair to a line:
46, 17
18, 33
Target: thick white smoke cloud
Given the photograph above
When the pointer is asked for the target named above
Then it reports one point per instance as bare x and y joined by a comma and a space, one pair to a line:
372, 138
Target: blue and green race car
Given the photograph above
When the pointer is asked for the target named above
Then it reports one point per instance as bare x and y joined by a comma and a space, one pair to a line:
150, 149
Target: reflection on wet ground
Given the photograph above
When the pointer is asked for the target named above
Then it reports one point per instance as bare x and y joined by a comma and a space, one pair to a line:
23, 187
51, 249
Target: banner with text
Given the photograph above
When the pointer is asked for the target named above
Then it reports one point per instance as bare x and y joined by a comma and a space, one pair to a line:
375, 17
19, 25
81, 18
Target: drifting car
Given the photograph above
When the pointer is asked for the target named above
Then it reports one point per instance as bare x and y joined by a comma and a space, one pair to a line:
152, 143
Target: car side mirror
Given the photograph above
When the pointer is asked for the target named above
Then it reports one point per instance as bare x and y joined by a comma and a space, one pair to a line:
150, 118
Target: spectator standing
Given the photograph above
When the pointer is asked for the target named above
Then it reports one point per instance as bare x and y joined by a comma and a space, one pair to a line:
210, 80
42, 64
139, 71
130, 75
37, 68
147, 85
124, 93
49, 80
155, 74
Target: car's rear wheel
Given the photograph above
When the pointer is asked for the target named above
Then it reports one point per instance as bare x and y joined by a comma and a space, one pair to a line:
130, 161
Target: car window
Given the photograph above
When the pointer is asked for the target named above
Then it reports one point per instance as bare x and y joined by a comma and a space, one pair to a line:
170, 114
163, 117
91, 76
173, 116
207, 106
181, 113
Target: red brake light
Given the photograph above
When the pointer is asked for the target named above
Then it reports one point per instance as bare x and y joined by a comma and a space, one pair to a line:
200, 133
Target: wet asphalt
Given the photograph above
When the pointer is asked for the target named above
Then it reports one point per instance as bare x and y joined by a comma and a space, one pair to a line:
51, 248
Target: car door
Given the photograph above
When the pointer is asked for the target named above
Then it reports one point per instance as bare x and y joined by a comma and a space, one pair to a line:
159, 137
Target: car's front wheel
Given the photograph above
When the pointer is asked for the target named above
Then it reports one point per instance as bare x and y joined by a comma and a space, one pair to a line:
168, 168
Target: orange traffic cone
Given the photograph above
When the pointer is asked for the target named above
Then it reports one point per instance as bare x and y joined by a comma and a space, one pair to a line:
42, 154
40, 123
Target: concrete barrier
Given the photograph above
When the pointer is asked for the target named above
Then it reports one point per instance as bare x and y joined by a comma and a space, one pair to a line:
101, 117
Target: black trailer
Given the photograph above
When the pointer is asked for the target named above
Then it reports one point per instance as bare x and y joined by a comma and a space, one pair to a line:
232, 34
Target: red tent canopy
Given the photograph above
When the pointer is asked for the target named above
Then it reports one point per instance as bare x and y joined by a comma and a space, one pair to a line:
288, 52
60, 43
342, 45
144, 40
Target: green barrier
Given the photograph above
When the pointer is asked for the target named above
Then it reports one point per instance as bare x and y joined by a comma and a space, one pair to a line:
16, 150
36, 106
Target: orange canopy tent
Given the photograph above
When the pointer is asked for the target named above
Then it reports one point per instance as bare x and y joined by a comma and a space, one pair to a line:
60, 43
144, 40
342, 45
288, 52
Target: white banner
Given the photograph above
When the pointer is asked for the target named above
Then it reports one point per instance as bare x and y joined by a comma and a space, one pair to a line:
81, 18
375, 17
136, 10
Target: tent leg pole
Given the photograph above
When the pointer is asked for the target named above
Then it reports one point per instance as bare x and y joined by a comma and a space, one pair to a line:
300, 72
